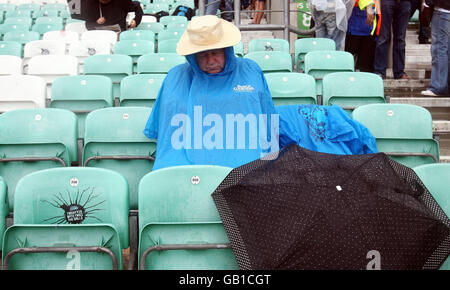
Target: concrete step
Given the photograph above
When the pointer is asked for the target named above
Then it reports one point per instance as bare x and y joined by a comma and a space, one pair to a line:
413, 73
438, 102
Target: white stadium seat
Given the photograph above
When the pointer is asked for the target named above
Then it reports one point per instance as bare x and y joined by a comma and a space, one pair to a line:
21, 92
10, 65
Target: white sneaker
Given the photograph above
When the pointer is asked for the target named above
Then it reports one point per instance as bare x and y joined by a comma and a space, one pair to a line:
428, 93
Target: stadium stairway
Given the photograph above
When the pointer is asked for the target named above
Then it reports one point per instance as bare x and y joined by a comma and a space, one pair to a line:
418, 67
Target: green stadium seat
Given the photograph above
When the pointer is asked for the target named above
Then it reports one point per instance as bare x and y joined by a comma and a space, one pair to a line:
33, 140
170, 34
49, 20
21, 36
322, 62
29, 6
79, 221
352, 89
176, 25
120, 146
292, 88
268, 44
179, 225
4, 208
402, 131
435, 177
156, 27
134, 48
158, 63
188, 3
45, 13
55, 6
138, 35
114, 66
81, 95
19, 13
271, 61
304, 45
170, 3
46, 27
153, 8
19, 20
5, 7
7, 28
140, 90
168, 45
10, 48
239, 49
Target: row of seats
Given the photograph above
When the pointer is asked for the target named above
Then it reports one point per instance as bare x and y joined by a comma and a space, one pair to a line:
79, 219
114, 136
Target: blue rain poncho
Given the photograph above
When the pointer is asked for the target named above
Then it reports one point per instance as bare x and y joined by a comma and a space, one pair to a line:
327, 129
213, 119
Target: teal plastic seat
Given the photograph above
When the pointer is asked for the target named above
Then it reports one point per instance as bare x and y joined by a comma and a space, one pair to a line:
180, 227
170, 34
322, 62
176, 25
120, 145
114, 66
153, 8
45, 12
402, 131
49, 20
435, 177
29, 6
5, 28
304, 45
140, 90
137, 35
292, 88
46, 27
268, 44
158, 63
239, 49
21, 36
81, 95
19, 20
10, 48
168, 45
134, 48
33, 140
272, 61
352, 89
19, 13
79, 221
156, 27
4, 208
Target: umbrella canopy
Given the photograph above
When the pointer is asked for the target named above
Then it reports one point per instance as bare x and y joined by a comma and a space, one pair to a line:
311, 210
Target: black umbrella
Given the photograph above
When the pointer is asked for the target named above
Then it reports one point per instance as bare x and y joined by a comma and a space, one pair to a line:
311, 210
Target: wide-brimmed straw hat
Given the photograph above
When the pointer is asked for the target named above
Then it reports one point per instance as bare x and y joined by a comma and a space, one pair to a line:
206, 33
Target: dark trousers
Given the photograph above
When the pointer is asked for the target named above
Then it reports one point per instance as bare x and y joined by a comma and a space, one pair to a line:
423, 31
363, 49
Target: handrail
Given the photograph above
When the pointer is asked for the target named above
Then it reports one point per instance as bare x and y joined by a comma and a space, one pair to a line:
286, 27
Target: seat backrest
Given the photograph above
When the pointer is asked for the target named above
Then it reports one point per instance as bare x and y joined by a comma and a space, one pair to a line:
44, 47
158, 63
176, 207
292, 88
155, 27
137, 35
140, 90
19, 20
42, 28
114, 133
21, 91
173, 19
134, 48
35, 133
304, 45
271, 61
106, 35
73, 195
49, 20
89, 47
322, 62
63, 35
109, 64
400, 128
268, 44
170, 34
4, 28
352, 89
10, 48
239, 49
21, 37
55, 65
168, 45
78, 26
154, 8
10, 65
176, 25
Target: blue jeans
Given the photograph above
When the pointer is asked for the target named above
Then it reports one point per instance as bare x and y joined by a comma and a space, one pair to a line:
325, 24
395, 14
440, 56
213, 5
